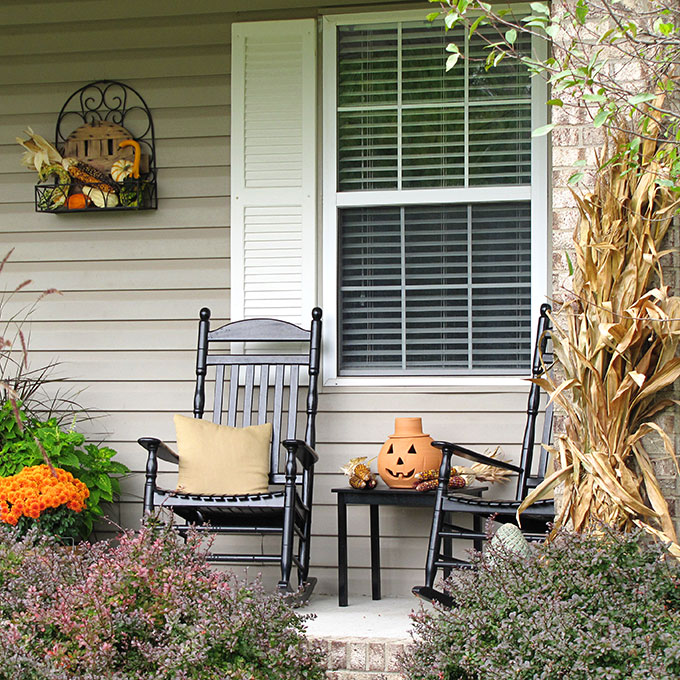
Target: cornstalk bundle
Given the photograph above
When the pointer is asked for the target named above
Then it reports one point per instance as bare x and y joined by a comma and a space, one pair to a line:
615, 343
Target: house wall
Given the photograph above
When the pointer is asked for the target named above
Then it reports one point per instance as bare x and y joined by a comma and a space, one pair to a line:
124, 326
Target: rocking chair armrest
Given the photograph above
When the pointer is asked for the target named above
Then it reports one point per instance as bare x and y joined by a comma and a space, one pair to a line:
158, 449
449, 449
304, 453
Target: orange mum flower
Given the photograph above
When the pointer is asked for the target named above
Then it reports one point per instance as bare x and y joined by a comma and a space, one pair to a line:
35, 489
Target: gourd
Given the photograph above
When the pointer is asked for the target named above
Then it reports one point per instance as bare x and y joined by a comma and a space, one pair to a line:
122, 169
100, 198
51, 199
76, 202
138, 155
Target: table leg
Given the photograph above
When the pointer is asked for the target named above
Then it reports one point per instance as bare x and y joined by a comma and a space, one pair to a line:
375, 552
342, 551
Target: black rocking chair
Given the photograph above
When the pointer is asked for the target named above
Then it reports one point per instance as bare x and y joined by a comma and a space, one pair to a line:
261, 388
534, 520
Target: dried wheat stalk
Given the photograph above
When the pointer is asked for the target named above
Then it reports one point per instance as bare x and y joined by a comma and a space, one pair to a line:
616, 343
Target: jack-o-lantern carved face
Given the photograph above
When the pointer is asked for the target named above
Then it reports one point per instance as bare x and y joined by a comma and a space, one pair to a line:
396, 466
405, 453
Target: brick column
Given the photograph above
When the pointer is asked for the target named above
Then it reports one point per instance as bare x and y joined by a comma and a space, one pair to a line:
575, 139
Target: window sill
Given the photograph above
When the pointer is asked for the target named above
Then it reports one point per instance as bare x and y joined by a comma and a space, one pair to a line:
435, 383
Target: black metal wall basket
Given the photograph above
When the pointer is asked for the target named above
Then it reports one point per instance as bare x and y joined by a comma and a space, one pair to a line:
90, 128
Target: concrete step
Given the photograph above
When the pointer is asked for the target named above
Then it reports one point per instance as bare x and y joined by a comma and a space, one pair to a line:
361, 641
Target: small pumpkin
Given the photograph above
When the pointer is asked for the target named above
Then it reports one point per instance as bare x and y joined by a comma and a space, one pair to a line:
76, 202
122, 169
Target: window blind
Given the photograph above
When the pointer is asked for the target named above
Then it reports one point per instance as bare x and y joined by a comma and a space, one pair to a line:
404, 122
435, 288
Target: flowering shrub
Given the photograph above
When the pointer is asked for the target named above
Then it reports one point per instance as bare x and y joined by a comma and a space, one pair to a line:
149, 608
592, 606
46, 497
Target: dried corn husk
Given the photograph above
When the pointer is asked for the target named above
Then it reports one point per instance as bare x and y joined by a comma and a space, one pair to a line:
487, 473
38, 152
615, 342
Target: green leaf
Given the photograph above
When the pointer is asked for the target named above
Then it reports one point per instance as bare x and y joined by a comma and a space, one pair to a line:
543, 130
570, 266
664, 28
575, 178
93, 500
104, 484
552, 30
540, 8
581, 12
662, 182
432, 16
599, 98
451, 19
511, 36
479, 21
600, 118
641, 98
452, 61
555, 102
66, 458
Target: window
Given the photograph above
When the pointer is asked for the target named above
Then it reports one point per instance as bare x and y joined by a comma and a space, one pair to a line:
433, 208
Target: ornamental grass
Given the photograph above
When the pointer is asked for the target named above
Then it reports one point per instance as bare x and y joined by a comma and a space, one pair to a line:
615, 344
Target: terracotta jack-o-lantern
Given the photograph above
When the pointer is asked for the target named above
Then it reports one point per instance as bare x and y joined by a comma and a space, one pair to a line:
405, 453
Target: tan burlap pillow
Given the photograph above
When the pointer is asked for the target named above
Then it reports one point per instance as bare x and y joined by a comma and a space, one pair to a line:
218, 459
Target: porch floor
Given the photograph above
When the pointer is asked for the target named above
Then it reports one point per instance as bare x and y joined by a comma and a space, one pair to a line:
364, 617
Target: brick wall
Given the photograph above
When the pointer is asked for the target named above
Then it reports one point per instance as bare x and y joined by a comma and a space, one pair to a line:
353, 658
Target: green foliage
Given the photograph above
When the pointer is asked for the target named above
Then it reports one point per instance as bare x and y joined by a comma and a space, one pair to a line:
601, 605
20, 446
62, 523
615, 61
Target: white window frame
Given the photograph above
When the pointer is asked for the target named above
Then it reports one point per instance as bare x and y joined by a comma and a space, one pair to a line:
537, 192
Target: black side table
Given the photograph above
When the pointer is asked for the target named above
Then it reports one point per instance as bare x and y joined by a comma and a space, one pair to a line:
374, 498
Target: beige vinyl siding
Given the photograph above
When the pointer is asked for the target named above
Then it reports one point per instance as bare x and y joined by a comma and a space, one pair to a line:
124, 326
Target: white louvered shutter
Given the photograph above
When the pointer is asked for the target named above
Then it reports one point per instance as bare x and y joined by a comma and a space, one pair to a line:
273, 170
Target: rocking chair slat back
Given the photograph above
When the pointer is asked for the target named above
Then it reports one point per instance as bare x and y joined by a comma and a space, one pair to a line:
252, 397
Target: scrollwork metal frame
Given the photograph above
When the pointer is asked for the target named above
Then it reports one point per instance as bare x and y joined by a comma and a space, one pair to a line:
115, 102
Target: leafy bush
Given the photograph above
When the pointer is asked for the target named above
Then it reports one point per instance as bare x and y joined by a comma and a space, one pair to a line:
596, 606
20, 447
149, 608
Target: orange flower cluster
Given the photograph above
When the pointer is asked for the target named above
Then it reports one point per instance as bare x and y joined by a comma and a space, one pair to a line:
37, 488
